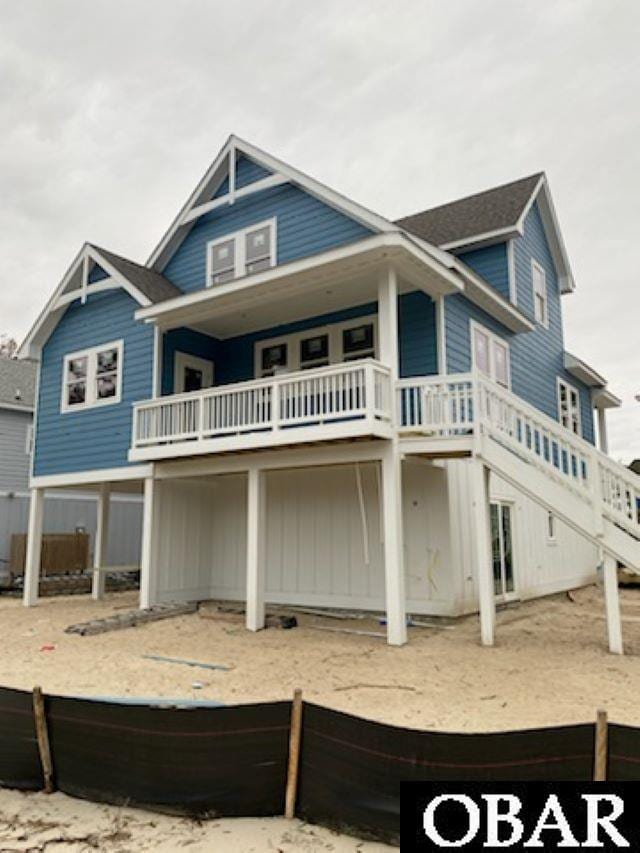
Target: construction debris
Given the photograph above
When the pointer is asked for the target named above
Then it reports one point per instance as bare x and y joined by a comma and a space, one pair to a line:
133, 618
348, 631
163, 659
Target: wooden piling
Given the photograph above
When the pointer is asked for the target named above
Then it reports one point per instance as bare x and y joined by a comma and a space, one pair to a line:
42, 735
295, 735
601, 748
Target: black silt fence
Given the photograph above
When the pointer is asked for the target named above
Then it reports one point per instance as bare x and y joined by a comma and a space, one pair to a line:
232, 762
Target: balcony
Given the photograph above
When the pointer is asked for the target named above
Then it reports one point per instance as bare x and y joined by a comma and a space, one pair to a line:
343, 401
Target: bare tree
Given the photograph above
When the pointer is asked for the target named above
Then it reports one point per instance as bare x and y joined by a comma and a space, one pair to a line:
8, 346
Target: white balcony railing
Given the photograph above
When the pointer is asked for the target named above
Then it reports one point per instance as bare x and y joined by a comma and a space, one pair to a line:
464, 404
359, 390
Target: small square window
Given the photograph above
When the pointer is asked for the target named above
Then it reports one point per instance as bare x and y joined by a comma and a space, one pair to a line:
314, 352
273, 357
92, 377
358, 342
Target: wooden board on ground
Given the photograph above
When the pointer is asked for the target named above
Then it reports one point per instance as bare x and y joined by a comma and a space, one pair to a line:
133, 618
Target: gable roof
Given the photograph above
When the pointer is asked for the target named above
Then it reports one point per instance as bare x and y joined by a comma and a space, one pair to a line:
17, 383
152, 284
497, 209
493, 216
146, 286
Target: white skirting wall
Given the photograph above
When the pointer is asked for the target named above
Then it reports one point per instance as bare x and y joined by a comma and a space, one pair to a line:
324, 544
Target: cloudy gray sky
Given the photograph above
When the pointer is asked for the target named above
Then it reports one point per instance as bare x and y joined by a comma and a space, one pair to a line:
111, 111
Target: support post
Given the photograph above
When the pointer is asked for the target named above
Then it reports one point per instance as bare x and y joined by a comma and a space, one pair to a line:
148, 571
612, 603
295, 734
256, 505
101, 542
393, 546
388, 320
483, 554
42, 735
34, 548
602, 429
600, 748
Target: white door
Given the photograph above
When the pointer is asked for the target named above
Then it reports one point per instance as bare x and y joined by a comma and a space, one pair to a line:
502, 547
191, 373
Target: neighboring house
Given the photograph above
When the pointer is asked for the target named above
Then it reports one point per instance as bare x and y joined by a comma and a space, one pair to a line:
327, 408
65, 512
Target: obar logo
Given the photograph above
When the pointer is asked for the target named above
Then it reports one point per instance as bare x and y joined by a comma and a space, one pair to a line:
518, 816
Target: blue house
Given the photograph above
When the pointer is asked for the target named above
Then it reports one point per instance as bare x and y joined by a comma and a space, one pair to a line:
324, 407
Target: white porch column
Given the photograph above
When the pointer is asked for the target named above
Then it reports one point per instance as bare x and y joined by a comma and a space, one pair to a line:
393, 546
483, 555
34, 548
388, 320
256, 509
148, 569
101, 542
602, 429
612, 603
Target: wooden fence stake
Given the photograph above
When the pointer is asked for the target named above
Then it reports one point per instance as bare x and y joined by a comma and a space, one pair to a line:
294, 755
43, 739
601, 747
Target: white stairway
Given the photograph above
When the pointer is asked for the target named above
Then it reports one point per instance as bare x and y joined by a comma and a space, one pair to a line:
556, 468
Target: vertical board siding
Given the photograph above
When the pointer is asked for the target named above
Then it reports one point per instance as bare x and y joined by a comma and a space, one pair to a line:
491, 263
305, 227
187, 341
537, 357
418, 339
14, 459
99, 437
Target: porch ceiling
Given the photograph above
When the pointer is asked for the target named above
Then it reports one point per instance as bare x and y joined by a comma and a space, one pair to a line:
338, 279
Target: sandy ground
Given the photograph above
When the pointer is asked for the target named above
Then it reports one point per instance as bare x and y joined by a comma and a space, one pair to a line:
549, 667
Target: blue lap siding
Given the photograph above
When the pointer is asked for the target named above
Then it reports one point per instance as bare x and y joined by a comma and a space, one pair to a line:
537, 357
99, 437
305, 226
491, 263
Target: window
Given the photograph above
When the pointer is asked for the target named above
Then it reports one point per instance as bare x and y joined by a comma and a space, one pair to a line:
28, 449
551, 528
569, 407
540, 306
248, 251
317, 347
92, 377
490, 355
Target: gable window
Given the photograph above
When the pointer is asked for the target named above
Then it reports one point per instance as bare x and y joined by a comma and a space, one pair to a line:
247, 251
92, 377
569, 407
316, 348
490, 355
540, 304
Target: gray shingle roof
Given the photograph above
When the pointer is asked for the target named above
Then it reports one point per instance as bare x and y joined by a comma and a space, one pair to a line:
17, 382
149, 282
483, 212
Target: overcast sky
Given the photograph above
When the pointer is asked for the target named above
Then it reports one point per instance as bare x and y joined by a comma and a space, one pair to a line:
111, 111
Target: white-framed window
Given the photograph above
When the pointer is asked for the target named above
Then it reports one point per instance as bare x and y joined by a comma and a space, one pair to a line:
92, 377
28, 440
551, 528
490, 354
569, 407
540, 301
244, 252
339, 342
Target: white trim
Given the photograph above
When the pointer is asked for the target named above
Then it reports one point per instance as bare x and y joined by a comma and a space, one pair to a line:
511, 271
92, 401
333, 330
583, 372
156, 376
98, 475
536, 267
215, 175
239, 249
570, 411
484, 237
255, 187
380, 243
48, 318
184, 359
441, 335
494, 339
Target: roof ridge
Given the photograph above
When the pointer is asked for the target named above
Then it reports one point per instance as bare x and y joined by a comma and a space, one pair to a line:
536, 175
